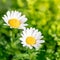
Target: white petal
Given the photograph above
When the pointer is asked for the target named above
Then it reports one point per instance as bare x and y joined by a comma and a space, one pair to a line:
5, 18
35, 32
22, 26
42, 41
23, 20
8, 14
29, 46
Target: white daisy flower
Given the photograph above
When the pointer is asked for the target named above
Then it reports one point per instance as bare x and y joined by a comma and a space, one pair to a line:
15, 20
31, 38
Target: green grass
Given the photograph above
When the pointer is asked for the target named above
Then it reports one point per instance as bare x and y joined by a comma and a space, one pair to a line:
43, 15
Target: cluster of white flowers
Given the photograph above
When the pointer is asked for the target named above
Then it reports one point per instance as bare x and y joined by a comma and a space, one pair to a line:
30, 37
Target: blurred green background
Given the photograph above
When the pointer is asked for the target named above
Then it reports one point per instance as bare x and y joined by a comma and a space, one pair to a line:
43, 15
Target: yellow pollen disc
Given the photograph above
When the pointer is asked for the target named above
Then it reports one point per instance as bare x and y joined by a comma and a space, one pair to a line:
14, 23
30, 40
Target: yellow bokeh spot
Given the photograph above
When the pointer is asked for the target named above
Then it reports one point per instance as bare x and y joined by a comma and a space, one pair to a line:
57, 1
14, 23
30, 40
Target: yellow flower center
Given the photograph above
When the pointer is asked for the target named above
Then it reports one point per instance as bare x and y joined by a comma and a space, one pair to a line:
30, 40
14, 23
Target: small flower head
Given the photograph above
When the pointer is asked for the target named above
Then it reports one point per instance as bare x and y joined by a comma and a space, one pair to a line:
31, 38
15, 20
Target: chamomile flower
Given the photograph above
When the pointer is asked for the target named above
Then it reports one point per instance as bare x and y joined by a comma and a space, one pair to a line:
31, 38
15, 20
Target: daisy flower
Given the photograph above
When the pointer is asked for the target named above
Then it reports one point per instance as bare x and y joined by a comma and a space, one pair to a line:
15, 20
31, 38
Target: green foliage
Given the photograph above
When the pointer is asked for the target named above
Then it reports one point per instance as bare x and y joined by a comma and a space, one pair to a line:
43, 15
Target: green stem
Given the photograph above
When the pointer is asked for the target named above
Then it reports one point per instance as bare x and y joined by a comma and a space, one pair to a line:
11, 36
30, 54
